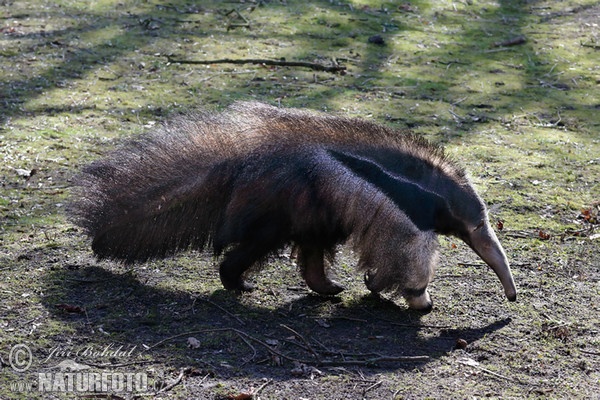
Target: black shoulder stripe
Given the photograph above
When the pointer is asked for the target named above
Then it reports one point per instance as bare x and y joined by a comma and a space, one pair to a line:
419, 204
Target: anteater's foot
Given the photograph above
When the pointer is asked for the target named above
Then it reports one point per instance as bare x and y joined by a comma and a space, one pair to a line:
325, 287
236, 283
246, 286
318, 281
369, 283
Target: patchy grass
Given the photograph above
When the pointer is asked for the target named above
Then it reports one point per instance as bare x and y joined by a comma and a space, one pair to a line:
76, 77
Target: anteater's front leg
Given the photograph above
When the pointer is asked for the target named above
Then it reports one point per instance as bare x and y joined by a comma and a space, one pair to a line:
312, 265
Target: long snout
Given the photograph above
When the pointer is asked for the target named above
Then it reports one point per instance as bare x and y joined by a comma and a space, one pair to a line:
485, 243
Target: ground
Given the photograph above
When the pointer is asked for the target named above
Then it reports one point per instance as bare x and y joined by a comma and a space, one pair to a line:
510, 88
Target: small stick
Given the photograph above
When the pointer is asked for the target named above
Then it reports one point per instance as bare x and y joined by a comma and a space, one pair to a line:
376, 360
487, 371
510, 42
463, 264
348, 318
422, 326
497, 50
594, 353
174, 383
231, 25
518, 235
249, 345
109, 365
590, 45
308, 346
261, 387
295, 343
225, 311
373, 386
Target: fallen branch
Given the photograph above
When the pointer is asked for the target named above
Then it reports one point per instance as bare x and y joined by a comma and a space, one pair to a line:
282, 63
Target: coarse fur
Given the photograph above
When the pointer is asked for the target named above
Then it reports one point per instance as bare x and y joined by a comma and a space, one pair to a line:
254, 178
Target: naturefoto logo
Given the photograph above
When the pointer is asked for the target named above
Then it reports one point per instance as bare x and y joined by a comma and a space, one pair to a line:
72, 376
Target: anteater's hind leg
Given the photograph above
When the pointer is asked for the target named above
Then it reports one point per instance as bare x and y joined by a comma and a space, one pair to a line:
312, 264
237, 261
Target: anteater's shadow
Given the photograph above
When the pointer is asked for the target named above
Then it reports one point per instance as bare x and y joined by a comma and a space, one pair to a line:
233, 330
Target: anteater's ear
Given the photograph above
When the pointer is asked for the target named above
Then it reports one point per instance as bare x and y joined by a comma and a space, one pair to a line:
418, 203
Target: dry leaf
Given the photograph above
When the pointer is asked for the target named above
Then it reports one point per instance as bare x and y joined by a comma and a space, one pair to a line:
543, 235
241, 396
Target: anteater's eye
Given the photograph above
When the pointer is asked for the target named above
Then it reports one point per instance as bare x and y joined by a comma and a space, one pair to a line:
478, 227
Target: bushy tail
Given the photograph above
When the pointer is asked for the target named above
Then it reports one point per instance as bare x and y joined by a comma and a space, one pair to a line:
156, 195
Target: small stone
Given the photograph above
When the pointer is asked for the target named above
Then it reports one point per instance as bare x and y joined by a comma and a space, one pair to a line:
376, 39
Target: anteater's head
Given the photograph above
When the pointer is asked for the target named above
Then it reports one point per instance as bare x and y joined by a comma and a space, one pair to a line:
460, 212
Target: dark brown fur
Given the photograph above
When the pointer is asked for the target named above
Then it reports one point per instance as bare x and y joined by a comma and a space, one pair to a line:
255, 178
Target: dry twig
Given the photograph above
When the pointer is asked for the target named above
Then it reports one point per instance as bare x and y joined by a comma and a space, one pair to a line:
261, 387
126, 364
373, 386
510, 42
174, 383
308, 346
281, 62
225, 311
